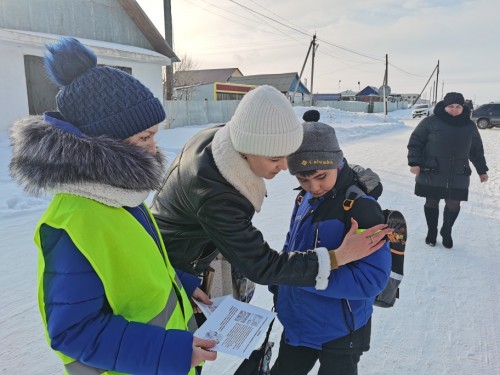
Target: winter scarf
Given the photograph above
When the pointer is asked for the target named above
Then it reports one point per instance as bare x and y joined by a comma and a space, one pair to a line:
236, 170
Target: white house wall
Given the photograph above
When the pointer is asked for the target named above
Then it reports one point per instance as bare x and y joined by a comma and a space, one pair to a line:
146, 66
13, 93
148, 73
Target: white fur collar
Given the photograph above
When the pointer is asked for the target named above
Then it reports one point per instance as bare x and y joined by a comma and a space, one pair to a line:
105, 194
236, 170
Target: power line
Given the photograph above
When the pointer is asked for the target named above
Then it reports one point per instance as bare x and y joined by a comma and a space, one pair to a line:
240, 16
303, 32
277, 15
296, 29
350, 50
319, 39
404, 71
222, 16
269, 18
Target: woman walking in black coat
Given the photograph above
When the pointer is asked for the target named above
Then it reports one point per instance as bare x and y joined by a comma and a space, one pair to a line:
439, 151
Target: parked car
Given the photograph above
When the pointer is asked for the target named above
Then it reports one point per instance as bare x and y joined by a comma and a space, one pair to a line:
487, 115
421, 110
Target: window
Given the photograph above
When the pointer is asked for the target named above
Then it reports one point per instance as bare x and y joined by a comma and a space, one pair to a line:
41, 90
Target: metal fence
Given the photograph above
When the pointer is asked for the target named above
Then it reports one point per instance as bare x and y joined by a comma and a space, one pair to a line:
200, 112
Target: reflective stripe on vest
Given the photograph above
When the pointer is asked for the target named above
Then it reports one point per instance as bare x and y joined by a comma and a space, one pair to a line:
160, 320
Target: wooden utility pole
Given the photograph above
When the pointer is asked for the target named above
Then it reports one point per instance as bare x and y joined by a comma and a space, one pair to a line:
418, 97
437, 80
311, 47
314, 48
169, 69
386, 83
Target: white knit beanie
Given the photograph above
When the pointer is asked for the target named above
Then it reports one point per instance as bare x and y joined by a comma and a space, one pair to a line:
265, 124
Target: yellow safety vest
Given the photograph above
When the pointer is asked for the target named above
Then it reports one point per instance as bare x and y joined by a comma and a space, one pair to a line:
139, 282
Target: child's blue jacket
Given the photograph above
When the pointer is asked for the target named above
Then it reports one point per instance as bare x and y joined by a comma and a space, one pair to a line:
313, 317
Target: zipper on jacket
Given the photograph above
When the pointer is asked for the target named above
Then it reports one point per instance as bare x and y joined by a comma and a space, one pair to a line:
351, 329
194, 263
309, 213
316, 235
452, 169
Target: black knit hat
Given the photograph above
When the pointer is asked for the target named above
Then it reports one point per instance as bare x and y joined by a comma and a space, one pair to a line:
99, 100
311, 116
319, 149
453, 98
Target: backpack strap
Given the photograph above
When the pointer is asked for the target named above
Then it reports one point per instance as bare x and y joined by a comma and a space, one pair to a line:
352, 193
300, 196
367, 180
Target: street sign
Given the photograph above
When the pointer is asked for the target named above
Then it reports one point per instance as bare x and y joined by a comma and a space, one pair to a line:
385, 88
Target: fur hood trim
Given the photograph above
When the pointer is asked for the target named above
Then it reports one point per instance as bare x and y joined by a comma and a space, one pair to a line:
46, 159
236, 170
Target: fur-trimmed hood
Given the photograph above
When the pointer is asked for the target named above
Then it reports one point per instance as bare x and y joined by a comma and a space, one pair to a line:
47, 159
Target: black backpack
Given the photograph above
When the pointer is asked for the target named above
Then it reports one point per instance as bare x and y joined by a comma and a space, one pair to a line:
367, 182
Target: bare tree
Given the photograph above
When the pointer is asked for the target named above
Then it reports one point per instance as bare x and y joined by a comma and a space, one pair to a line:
187, 63
184, 78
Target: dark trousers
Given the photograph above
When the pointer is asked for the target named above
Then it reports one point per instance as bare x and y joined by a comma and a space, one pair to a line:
299, 360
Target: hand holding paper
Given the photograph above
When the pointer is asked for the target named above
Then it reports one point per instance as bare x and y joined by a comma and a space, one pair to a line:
237, 326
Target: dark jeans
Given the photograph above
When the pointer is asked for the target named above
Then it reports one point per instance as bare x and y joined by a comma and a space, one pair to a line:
299, 360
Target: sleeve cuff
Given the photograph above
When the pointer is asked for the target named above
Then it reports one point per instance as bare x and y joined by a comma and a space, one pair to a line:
189, 282
324, 268
176, 353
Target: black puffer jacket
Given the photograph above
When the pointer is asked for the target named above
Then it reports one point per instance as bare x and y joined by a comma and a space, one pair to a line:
200, 214
442, 145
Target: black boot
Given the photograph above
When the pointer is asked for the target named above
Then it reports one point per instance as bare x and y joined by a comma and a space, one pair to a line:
449, 218
431, 216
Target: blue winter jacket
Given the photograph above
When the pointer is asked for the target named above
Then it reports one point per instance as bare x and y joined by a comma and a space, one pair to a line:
312, 317
74, 321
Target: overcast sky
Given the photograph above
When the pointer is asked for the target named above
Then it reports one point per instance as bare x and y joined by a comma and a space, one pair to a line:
353, 38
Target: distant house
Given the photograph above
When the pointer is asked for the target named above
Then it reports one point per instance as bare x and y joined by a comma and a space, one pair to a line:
369, 94
411, 98
230, 83
283, 82
230, 91
348, 95
199, 84
118, 31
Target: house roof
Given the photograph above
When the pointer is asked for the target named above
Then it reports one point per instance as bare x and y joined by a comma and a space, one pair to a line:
201, 77
368, 90
147, 27
116, 21
104, 49
348, 93
283, 82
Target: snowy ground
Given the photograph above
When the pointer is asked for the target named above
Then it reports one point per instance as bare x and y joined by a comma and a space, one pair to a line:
446, 322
